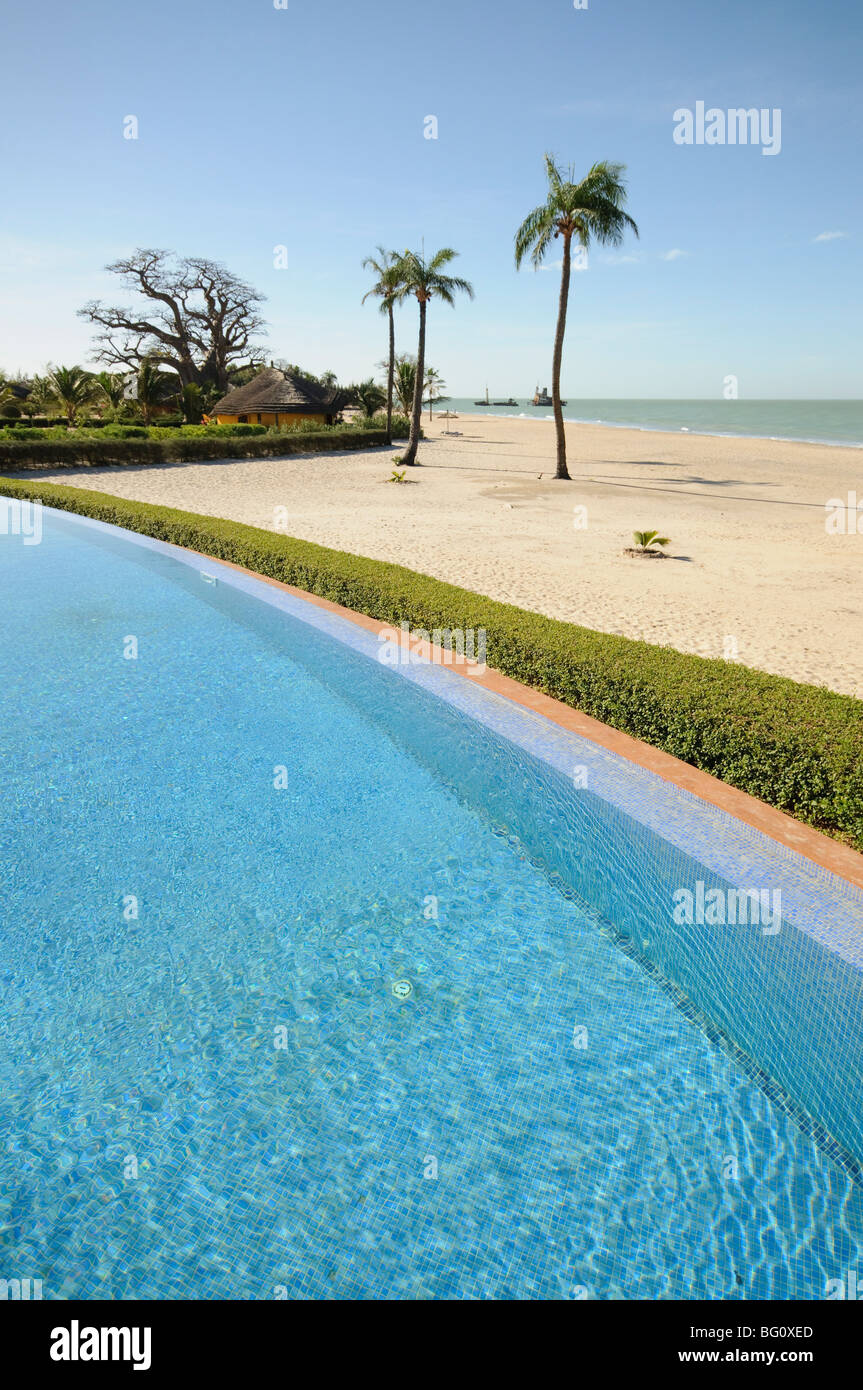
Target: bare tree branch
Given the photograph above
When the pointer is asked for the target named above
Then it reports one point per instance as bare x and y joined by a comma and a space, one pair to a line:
202, 321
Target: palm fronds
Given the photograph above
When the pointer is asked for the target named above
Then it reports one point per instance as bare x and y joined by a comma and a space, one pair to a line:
645, 540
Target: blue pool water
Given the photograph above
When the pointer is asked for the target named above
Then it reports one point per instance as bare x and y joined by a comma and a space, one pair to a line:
215, 1093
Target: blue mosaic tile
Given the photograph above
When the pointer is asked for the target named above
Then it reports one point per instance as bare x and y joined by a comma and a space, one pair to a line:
221, 1097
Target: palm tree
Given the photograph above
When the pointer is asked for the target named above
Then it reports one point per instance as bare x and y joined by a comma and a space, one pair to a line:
387, 268
591, 210
405, 381
193, 403
73, 387
113, 387
646, 539
8, 398
424, 279
30, 403
41, 397
154, 387
434, 386
371, 398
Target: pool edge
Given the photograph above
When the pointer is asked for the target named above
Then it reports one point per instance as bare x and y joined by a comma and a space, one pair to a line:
792, 834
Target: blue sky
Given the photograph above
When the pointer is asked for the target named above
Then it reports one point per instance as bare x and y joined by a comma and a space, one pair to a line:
303, 127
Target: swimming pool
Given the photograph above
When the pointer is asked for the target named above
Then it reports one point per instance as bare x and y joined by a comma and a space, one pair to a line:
229, 831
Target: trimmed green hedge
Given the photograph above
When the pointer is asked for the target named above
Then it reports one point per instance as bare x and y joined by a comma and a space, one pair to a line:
401, 424
95, 453
797, 747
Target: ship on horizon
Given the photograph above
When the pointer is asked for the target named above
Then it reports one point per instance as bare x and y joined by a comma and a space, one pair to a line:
543, 398
488, 402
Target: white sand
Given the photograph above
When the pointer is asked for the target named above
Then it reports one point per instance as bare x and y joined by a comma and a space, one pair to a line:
754, 570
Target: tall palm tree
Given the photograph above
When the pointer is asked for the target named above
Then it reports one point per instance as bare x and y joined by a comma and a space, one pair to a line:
73, 388
591, 210
387, 268
424, 278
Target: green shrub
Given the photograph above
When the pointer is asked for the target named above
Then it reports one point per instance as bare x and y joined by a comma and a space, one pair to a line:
234, 431
401, 424
299, 427
38, 421
123, 432
109, 429
185, 432
797, 747
50, 432
79, 450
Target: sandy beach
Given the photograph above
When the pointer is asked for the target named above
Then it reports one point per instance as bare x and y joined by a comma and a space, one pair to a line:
752, 574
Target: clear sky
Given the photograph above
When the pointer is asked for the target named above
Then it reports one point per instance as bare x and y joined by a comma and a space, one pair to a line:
304, 127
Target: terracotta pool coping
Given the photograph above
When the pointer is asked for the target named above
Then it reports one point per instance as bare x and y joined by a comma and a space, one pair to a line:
802, 839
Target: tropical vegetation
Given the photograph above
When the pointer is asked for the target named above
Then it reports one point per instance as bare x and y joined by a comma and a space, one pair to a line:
425, 278
386, 266
119, 445
405, 381
193, 330
73, 389
8, 396
646, 540
371, 398
587, 211
434, 387
113, 387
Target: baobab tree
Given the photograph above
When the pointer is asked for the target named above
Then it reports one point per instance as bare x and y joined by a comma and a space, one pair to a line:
197, 319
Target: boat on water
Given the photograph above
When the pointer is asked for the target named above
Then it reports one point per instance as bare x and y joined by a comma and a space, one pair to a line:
543, 398
488, 402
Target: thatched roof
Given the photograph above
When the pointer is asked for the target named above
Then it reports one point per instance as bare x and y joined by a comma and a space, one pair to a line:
275, 390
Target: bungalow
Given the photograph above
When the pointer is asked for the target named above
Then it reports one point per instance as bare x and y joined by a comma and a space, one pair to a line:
275, 397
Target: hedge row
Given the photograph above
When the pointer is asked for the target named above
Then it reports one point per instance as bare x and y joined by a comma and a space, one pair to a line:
797, 747
39, 422
45, 422
94, 453
119, 431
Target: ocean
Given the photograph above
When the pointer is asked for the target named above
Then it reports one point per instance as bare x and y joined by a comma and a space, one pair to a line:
817, 422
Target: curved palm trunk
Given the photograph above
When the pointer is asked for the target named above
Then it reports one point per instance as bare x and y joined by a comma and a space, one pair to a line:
390, 374
562, 470
411, 456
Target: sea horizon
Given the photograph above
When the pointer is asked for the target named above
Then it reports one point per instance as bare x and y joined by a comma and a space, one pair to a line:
836, 422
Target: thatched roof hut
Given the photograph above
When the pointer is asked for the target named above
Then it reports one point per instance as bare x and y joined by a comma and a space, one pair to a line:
274, 394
